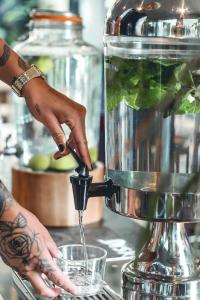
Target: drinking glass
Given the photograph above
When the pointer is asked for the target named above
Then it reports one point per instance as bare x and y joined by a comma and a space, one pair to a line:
86, 274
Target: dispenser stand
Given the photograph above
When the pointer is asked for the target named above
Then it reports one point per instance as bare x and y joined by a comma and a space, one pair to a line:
165, 267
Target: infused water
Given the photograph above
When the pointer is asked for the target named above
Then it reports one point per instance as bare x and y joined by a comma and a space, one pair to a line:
153, 112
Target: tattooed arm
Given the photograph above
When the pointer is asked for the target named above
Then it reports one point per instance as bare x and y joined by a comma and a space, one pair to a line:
48, 105
11, 65
26, 246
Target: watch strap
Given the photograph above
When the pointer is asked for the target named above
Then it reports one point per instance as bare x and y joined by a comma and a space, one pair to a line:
32, 72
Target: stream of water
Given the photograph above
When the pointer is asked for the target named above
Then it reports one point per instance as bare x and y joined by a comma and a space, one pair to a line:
82, 236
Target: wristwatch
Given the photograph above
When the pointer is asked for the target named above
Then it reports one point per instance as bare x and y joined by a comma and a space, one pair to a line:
32, 72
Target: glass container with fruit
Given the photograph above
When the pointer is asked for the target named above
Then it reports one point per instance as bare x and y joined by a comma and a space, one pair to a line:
71, 66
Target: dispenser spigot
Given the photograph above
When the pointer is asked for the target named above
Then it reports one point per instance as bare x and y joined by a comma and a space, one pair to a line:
82, 185
11, 150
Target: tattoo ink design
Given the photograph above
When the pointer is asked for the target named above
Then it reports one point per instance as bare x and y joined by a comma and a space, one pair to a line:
5, 56
23, 64
2, 204
44, 267
16, 244
37, 108
6, 199
20, 248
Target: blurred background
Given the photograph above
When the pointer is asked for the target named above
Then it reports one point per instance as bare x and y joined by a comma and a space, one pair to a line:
15, 15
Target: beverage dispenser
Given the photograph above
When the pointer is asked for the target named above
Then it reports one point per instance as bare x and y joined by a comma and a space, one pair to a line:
152, 68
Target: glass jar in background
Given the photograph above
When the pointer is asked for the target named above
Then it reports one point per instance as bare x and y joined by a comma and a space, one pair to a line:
72, 66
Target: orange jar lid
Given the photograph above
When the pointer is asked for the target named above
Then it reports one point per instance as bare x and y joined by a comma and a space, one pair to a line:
55, 16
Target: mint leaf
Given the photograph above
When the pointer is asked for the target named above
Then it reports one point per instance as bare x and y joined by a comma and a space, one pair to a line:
166, 85
188, 107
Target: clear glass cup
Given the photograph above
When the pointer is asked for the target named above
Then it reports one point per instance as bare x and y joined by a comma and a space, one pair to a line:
87, 275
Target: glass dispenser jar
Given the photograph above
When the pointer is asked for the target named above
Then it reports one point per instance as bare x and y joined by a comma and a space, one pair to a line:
72, 66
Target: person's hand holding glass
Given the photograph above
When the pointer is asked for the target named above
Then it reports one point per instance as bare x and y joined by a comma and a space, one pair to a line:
25, 244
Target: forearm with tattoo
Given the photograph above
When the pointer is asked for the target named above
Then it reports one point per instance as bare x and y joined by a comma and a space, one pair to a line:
6, 199
20, 247
15, 244
11, 65
5, 55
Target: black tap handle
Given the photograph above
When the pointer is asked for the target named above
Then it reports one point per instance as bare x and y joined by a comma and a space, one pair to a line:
82, 169
80, 183
103, 189
83, 188
75, 155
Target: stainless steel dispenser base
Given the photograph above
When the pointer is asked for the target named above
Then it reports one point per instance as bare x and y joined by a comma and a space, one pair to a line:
165, 267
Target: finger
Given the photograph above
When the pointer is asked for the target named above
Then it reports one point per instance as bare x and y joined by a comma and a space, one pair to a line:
57, 132
70, 139
41, 287
51, 245
54, 274
61, 280
79, 137
70, 142
53, 249
44, 276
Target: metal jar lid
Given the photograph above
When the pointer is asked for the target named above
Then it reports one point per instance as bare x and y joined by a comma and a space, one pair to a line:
160, 18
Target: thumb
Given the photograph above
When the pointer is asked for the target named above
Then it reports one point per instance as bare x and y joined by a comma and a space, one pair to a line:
57, 132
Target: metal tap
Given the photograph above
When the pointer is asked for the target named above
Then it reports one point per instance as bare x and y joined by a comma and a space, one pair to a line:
83, 188
11, 150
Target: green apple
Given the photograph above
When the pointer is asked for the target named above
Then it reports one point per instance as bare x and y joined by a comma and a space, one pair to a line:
93, 154
66, 163
44, 63
39, 162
